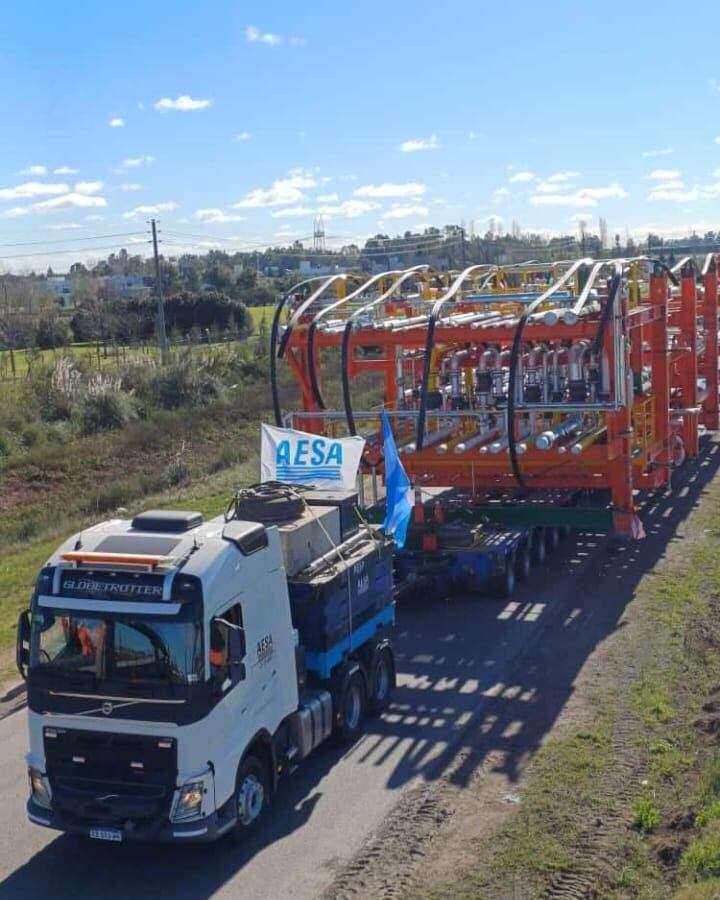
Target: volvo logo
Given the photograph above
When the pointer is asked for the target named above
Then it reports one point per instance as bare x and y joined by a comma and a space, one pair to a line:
106, 708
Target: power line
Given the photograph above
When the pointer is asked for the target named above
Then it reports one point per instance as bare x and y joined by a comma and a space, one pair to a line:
72, 240
63, 252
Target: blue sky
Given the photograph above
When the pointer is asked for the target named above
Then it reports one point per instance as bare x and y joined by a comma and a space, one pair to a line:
237, 122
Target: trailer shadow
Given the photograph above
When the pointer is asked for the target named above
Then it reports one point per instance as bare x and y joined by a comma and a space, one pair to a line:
472, 674
487, 679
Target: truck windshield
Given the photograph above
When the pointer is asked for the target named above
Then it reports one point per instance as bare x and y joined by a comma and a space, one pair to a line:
126, 648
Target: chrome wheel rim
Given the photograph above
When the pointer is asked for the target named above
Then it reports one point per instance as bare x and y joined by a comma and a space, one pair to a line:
250, 799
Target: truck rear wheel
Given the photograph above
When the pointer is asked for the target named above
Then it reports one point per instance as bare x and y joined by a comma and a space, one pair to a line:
539, 546
252, 791
523, 562
352, 709
504, 585
382, 680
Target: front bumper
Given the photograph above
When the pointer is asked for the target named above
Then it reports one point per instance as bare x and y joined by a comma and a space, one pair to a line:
204, 830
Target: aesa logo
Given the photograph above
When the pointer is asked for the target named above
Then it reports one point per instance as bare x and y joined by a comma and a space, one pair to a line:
307, 460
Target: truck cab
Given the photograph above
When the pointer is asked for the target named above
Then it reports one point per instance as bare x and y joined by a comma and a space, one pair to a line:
166, 684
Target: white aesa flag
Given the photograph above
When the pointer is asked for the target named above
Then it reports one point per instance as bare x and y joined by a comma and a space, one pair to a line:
312, 459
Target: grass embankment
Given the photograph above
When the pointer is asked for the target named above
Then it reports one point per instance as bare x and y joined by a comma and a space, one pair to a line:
629, 807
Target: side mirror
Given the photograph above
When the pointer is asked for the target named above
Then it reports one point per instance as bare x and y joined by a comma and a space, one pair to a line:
22, 645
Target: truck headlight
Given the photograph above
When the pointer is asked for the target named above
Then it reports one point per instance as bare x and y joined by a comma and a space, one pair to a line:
39, 788
189, 801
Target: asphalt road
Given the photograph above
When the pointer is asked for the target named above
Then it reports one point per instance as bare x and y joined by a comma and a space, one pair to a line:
453, 655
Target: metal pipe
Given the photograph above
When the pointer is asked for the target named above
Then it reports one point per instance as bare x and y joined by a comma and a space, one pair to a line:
545, 440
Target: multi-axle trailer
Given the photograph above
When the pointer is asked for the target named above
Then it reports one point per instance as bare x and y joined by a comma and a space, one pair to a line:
543, 395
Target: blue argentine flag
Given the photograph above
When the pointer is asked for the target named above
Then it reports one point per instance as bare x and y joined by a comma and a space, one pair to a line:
398, 508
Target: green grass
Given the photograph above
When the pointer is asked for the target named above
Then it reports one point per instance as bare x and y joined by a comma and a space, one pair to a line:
645, 813
258, 313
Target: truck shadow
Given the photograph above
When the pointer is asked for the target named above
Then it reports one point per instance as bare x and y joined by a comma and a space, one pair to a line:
483, 681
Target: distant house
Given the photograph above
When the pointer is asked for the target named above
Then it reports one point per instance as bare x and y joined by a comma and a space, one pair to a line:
62, 287
308, 267
126, 286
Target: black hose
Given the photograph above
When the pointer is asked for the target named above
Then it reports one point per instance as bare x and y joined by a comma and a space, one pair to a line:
274, 357
345, 378
312, 372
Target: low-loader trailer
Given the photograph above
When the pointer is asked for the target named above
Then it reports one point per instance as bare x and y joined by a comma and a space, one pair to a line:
177, 668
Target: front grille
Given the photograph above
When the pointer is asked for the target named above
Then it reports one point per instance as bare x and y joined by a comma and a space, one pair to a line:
103, 776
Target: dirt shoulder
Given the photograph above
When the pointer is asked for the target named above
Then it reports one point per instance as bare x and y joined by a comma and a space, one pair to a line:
590, 771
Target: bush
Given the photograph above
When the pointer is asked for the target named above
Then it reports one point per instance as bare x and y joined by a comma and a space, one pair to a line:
51, 332
645, 812
702, 857
105, 410
185, 382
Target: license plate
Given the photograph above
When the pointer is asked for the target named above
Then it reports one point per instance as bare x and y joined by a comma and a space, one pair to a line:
106, 834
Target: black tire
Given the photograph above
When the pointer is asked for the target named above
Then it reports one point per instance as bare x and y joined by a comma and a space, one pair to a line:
353, 701
504, 585
252, 793
539, 547
523, 562
382, 681
552, 539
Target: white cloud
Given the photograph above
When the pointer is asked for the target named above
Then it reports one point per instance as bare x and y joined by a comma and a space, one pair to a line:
65, 170
350, 209
412, 146
717, 139
183, 103
32, 189
500, 194
292, 211
255, 36
88, 187
665, 151
405, 212
16, 211
559, 177
584, 197
581, 217
283, 192
520, 177
674, 184
214, 216
33, 170
243, 136
150, 210
674, 194
409, 189
134, 162
94, 218
131, 186
69, 226
116, 122
664, 174
327, 198
70, 201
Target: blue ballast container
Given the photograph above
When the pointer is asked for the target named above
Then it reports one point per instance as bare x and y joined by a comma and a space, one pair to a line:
343, 596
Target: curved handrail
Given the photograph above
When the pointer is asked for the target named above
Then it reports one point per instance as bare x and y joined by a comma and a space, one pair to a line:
366, 285
514, 352
274, 338
347, 332
434, 316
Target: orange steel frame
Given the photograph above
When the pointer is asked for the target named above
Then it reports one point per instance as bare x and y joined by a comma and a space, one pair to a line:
661, 335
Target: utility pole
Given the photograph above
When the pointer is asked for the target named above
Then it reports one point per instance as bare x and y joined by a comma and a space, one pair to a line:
162, 337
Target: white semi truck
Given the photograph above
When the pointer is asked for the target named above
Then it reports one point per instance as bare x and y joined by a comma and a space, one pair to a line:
176, 669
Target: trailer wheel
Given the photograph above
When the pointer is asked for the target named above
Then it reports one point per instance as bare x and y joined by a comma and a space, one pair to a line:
552, 539
351, 709
382, 680
539, 547
504, 585
523, 562
252, 791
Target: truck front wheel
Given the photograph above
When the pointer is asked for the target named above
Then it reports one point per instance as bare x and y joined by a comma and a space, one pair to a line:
352, 709
252, 792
